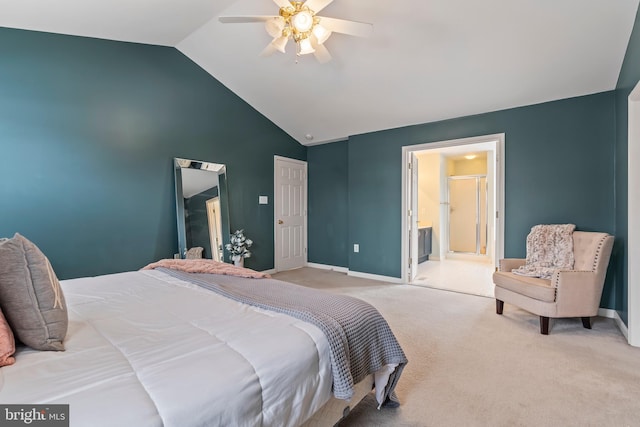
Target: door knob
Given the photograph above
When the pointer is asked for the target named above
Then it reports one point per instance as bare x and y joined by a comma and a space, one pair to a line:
280, 222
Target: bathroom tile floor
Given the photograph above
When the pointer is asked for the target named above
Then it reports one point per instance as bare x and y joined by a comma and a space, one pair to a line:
469, 277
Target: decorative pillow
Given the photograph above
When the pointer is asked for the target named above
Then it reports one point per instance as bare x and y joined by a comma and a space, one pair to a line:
7, 343
30, 295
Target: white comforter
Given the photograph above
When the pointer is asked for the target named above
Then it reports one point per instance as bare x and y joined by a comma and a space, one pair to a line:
146, 349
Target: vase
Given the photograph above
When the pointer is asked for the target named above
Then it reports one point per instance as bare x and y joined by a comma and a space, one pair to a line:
238, 262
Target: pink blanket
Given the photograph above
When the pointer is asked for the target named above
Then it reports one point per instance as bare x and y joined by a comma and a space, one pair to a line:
206, 266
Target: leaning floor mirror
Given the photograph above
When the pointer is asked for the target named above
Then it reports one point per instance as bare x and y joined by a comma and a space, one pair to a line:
202, 208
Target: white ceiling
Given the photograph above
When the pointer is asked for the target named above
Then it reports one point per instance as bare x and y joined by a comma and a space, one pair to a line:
427, 60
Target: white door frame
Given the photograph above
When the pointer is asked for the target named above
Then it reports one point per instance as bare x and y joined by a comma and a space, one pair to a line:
276, 235
633, 227
412, 224
215, 226
494, 143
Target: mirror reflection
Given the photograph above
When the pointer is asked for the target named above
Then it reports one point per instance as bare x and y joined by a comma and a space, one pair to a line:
202, 209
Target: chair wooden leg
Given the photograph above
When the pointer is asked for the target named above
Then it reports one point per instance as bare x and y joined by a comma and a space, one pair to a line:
499, 306
544, 325
586, 322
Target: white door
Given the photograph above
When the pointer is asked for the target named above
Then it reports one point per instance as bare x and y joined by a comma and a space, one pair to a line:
290, 213
413, 216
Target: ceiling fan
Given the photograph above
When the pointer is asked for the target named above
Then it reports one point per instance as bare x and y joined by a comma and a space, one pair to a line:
298, 21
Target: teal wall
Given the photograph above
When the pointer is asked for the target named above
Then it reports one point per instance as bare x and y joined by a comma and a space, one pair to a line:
559, 169
328, 204
88, 131
627, 80
566, 161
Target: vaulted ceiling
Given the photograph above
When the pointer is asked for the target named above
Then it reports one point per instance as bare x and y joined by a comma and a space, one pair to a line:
426, 60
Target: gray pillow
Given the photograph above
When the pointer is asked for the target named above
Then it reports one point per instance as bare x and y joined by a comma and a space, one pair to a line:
30, 295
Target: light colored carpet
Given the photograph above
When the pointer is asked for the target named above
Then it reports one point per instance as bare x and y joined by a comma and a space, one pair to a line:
471, 367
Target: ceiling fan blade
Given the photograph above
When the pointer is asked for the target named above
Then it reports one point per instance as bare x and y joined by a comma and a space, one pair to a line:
282, 3
317, 5
321, 53
352, 28
268, 51
244, 19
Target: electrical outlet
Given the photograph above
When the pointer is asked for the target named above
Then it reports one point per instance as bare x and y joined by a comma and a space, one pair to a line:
356, 247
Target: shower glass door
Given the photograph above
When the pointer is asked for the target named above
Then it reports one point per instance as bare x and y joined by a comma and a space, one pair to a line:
468, 214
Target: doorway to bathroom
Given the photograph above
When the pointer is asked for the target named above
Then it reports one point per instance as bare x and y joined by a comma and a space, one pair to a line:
453, 197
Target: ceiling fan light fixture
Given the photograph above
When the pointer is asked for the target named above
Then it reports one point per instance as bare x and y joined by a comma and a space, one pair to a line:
321, 33
302, 21
275, 26
305, 47
297, 21
280, 43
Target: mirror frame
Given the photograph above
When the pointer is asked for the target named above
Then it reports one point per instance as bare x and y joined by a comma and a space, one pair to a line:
220, 171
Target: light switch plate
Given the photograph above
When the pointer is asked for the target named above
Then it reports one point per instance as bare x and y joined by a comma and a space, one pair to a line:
263, 200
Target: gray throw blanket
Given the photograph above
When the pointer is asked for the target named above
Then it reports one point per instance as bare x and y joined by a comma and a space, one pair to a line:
360, 339
549, 248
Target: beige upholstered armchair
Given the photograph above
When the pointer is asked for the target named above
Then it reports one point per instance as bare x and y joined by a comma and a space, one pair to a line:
569, 293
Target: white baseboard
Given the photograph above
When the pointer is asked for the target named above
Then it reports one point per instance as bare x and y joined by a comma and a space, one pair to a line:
622, 326
272, 271
328, 267
355, 273
375, 277
606, 312
612, 314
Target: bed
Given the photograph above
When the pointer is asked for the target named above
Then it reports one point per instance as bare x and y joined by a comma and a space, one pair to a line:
159, 347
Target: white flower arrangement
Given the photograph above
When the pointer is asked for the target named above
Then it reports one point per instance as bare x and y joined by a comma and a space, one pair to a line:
238, 248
